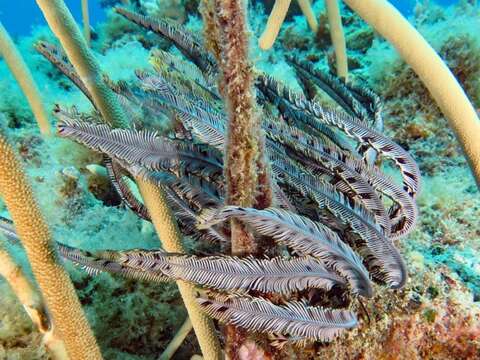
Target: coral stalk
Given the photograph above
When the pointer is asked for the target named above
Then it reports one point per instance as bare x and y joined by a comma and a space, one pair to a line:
32, 303
338, 37
22, 74
307, 10
433, 72
210, 30
246, 172
52, 279
86, 21
171, 238
244, 159
177, 340
63, 25
275, 21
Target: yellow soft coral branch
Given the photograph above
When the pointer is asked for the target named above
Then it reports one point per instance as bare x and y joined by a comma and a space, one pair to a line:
32, 303
63, 25
274, 22
277, 17
307, 10
66, 30
338, 37
52, 279
177, 340
431, 69
24, 78
86, 21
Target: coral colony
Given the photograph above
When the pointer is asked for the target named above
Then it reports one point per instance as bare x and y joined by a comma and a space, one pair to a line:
276, 181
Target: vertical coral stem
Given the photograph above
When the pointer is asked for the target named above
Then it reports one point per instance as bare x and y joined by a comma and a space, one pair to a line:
171, 238
338, 38
245, 169
52, 279
274, 22
24, 78
242, 143
32, 303
66, 30
431, 69
177, 340
307, 10
210, 30
86, 21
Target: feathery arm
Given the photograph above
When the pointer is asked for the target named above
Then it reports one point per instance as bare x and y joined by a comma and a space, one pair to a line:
433, 72
338, 38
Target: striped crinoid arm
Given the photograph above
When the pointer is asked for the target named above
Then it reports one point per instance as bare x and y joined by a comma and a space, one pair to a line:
196, 113
352, 128
294, 319
135, 101
319, 158
57, 57
359, 180
183, 100
225, 273
122, 185
106, 261
185, 41
358, 101
182, 73
302, 235
295, 118
186, 201
72, 114
383, 258
403, 213
211, 191
145, 149
187, 196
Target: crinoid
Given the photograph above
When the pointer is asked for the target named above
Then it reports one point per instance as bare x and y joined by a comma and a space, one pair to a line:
335, 216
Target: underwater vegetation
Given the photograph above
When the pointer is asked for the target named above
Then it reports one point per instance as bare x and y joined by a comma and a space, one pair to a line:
286, 205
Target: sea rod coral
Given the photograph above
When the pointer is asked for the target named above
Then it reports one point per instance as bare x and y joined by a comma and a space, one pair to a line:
63, 25
18, 67
325, 222
53, 280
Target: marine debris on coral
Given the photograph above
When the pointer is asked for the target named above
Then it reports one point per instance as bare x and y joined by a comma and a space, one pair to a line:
52, 279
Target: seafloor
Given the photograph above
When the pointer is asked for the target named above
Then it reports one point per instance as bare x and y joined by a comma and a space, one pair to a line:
436, 315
